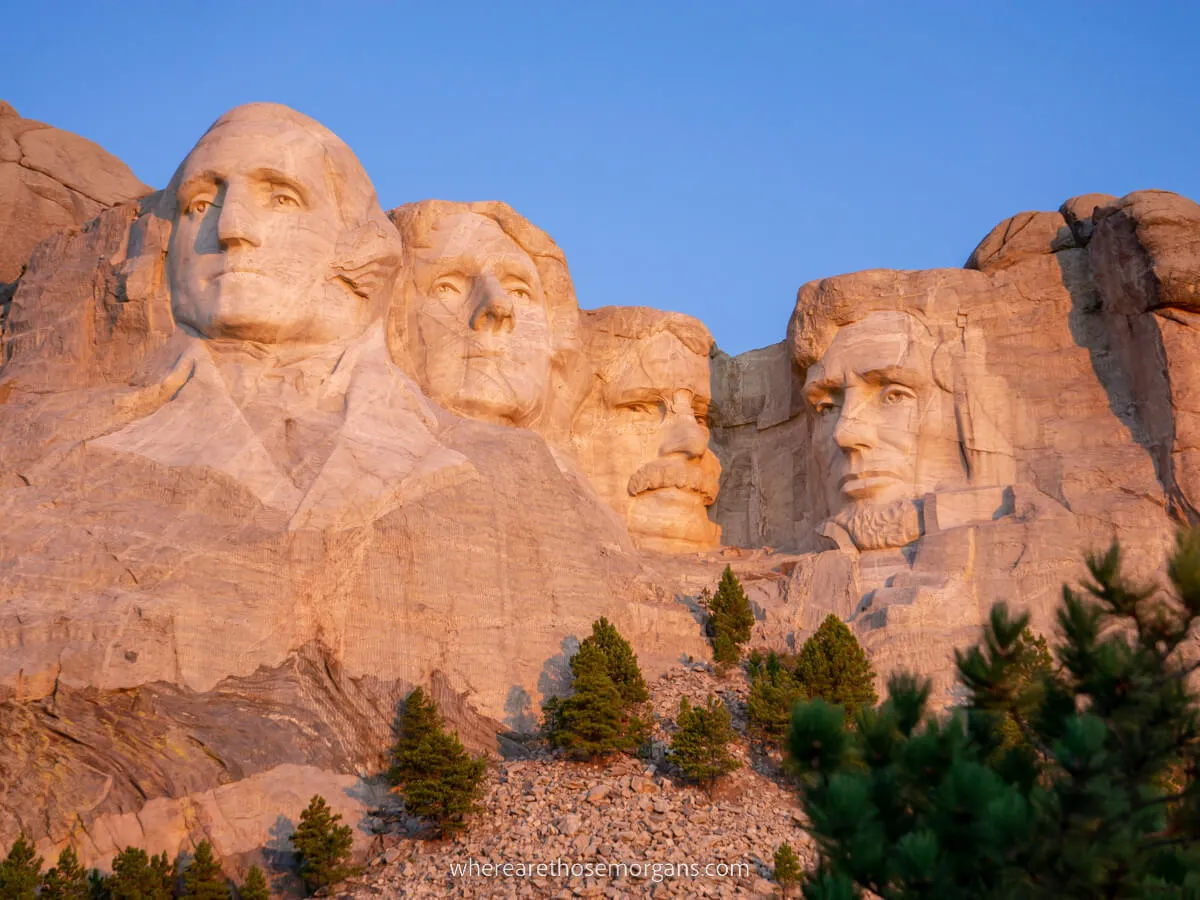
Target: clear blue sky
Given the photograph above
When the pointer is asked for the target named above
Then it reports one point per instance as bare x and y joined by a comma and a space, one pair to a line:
703, 157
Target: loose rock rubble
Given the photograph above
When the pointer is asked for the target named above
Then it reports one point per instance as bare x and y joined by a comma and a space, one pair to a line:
621, 810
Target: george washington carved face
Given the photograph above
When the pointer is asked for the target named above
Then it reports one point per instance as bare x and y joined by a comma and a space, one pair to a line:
271, 211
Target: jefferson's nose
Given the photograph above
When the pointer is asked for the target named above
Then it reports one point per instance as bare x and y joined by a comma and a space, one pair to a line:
236, 224
493, 307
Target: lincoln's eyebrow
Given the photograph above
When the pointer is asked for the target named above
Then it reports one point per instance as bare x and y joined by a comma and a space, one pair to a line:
888, 374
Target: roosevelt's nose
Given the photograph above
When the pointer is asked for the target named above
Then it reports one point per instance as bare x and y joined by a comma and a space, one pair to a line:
493, 307
854, 430
236, 222
684, 434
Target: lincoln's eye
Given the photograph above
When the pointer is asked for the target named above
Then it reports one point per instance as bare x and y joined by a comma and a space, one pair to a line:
896, 395
521, 293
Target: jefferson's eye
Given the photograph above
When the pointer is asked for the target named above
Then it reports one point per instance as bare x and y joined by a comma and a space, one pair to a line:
284, 201
445, 289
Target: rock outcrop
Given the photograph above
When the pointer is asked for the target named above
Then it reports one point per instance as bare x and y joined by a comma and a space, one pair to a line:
270, 457
49, 180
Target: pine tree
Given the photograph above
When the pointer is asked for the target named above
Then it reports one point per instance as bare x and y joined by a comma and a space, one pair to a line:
21, 871
698, 746
730, 619
203, 879
98, 885
1031, 666
67, 880
322, 845
592, 720
787, 868
136, 876
623, 666
907, 805
255, 886
833, 665
439, 780
774, 690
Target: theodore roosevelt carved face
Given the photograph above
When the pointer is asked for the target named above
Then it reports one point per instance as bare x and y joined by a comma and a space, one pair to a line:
276, 235
643, 431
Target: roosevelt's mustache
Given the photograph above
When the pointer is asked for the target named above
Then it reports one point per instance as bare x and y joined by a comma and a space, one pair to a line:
675, 473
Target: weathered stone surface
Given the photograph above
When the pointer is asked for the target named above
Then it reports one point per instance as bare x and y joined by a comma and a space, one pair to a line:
1079, 212
1023, 235
1041, 421
200, 394
1145, 255
243, 512
50, 180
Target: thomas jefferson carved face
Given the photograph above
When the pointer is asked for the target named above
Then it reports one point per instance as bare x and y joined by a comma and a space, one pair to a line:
644, 435
483, 343
885, 430
256, 238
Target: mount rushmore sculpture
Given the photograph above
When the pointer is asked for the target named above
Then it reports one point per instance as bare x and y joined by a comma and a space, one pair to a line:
270, 456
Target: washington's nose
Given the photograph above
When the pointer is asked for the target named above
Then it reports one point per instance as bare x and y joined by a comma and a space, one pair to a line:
684, 435
236, 225
493, 307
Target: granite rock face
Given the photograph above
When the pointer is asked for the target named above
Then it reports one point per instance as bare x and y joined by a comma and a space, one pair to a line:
965, 434
200, 403
270, 457
49, 180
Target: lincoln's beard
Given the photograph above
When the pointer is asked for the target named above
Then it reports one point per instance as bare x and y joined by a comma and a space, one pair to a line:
876, 526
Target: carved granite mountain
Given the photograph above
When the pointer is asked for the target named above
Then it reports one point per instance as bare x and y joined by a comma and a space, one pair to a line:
960, 436
267, 461
236, 532
51, 179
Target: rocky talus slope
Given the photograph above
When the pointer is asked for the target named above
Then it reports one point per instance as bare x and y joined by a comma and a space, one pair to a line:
623, 810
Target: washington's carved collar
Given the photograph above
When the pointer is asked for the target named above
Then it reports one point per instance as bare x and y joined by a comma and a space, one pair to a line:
336, 452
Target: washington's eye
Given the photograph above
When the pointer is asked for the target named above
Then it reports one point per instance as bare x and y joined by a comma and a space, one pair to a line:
198, 206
